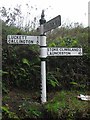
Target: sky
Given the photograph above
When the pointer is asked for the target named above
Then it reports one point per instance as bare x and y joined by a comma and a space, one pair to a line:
71, 11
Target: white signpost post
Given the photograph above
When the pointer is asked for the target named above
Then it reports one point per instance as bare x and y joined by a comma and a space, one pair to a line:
44, 50
89, 14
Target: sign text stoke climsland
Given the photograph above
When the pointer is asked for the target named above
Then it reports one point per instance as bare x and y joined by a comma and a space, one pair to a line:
55, 51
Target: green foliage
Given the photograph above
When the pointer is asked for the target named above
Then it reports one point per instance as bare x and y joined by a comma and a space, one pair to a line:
30, 110
7, 114
25, 61
18, 67
65, 42
52, 44
62, 105
65, 105
4, 89
52, 80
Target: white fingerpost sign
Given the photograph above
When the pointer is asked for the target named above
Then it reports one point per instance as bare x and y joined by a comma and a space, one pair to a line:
23, 39
55, 51
44, 50
52, 24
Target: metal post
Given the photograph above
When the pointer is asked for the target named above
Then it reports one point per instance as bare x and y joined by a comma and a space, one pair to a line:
89, 14
43, 55
89, 24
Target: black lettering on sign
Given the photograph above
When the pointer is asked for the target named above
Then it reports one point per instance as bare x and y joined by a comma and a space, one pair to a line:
15, 41
19, 37
31, 41
21, 41
50, 53
59, 53
55, 53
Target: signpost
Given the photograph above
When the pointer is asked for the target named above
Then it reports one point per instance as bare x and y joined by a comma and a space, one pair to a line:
44, 51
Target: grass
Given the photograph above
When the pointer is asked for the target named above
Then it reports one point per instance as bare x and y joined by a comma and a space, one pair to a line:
62, 105
66, 105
